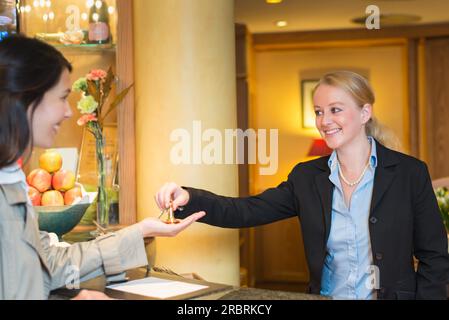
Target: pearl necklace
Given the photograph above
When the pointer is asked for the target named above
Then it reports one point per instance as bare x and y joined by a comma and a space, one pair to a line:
351, 184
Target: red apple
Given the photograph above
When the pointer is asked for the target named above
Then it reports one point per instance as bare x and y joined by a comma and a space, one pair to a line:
52, 198
50, 161
40, 179
71, 195
63, 180
35, 196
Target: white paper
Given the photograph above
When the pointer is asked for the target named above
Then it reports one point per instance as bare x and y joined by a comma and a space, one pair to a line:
157, 288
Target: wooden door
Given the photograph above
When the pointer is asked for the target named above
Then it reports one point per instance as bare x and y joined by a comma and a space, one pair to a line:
437, 102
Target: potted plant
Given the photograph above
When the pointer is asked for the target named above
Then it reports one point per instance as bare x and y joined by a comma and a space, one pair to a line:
442, 195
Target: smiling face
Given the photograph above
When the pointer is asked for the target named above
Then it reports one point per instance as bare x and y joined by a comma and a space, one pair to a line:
338, 117
51, 112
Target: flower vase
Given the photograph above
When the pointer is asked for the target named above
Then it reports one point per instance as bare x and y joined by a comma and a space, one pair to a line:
102, 197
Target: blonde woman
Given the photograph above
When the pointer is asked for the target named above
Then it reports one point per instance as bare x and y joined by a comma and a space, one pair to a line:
365, 210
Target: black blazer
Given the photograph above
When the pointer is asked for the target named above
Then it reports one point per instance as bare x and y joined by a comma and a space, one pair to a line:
404, 221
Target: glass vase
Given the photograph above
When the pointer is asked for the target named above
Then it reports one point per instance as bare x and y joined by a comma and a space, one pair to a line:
102, 197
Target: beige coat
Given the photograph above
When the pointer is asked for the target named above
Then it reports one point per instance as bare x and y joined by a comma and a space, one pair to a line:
30, 268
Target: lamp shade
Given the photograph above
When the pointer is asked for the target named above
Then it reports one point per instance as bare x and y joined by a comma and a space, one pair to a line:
319, 148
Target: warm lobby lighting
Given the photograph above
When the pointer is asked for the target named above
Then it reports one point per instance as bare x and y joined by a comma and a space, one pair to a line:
273, 1
281, 23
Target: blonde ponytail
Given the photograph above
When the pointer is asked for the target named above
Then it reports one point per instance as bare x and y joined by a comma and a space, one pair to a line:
383, 134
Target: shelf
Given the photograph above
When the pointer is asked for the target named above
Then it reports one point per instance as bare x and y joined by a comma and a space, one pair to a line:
87, 47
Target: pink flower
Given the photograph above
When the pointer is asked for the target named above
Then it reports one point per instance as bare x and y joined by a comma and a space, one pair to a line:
97, 74
86, 118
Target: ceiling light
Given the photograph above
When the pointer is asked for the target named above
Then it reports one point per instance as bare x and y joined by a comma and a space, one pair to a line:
273, 1
281, 23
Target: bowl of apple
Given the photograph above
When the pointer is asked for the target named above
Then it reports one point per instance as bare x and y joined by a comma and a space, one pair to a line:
60, 202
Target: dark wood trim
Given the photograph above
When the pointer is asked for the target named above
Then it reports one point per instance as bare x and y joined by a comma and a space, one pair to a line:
422, 93
413, 95
436, 101
126, 114
330, 44
241, 34
291, 38
246, 239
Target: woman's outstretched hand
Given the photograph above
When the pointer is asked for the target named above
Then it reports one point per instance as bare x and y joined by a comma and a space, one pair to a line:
171, 192
91, 295
153, 227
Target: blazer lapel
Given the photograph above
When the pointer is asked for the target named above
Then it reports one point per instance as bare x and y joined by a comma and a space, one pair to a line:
385, 173
325, 189
15, 195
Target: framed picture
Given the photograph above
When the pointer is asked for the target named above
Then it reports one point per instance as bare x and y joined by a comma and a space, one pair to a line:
308, 112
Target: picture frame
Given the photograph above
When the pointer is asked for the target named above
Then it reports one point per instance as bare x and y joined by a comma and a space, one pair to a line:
308, 112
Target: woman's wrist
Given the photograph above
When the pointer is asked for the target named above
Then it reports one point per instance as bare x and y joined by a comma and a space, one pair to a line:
187, 197
142, 229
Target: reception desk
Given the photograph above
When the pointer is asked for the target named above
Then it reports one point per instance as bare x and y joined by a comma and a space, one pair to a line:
214, 292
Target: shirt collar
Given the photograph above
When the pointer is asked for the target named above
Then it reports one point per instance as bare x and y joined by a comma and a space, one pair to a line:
333, 161
11, 175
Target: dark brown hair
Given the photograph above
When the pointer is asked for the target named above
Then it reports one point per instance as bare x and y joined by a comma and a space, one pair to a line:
28, 69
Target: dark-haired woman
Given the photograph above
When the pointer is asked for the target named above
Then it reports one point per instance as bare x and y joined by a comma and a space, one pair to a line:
34, 86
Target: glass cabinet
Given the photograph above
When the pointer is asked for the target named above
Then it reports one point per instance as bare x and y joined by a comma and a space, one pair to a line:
92, 34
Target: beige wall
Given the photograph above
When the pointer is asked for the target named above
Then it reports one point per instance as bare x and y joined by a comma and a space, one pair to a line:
277, 96
185, 71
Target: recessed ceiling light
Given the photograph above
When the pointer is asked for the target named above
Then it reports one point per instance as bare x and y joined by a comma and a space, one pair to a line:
273, 1
391, 19
281, 23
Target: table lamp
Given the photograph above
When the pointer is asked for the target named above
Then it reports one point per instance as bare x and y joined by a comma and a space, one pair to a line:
319, 148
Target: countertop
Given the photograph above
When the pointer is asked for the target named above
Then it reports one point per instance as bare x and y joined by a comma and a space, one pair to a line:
215, 291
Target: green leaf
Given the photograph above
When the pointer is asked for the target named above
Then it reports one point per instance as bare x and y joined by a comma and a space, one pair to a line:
107, 85
93, 90
117, 101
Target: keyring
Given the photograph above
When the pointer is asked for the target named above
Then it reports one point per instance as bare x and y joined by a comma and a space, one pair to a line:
170, 215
